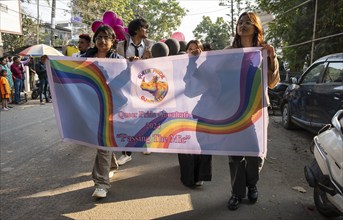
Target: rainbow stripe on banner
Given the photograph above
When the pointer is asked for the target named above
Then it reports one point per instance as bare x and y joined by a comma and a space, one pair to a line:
210, 104
249, 111
86, 72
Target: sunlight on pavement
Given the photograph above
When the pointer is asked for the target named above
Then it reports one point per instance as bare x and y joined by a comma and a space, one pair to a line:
118, 176
147, 208
61, 190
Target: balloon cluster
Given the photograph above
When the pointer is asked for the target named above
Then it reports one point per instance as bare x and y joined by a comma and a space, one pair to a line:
110, 18
178, 36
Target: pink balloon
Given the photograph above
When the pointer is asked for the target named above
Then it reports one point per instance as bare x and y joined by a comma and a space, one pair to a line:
109, 17
119, 22
178, 36
126, 30
119, 30
96, 25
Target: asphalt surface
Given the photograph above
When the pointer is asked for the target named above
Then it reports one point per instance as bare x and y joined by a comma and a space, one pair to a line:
45, 178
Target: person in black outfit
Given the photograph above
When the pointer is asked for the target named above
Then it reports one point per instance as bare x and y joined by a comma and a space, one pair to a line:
43, 79
194, 168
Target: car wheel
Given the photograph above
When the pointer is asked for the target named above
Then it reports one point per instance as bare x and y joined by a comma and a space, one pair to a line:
286, 117
323, 204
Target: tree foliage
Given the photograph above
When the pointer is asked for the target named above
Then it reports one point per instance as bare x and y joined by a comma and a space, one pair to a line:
219, 32
163, 16
216, 33
296, 26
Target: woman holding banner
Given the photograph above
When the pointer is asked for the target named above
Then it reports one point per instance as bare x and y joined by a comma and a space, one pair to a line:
105, 44
194, 168
245, 170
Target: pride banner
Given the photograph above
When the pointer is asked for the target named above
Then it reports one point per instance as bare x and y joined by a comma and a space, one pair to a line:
208, 104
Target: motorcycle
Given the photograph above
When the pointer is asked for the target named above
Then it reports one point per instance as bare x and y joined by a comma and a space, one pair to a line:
325, 173
37, 91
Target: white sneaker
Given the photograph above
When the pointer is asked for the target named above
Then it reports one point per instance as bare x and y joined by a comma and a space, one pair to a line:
5, 109
146, 153
199, 183
111, 173
123, 159
99, 193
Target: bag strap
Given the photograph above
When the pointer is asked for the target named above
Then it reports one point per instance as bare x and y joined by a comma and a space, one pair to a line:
125, 48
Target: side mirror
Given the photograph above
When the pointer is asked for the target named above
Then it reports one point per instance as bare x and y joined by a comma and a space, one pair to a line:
294, 80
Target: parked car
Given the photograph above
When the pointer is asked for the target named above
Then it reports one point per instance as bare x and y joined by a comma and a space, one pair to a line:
311, 101
276, 95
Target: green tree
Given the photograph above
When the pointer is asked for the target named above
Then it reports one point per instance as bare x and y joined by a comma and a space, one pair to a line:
163, 16
217, 33
235, 8
294, 27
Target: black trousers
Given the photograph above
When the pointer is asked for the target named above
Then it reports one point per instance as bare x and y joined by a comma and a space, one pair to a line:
244, 172
195, 168
128, 153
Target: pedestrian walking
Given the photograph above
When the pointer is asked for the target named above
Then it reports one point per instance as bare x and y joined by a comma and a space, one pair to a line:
137, 46
244, 170
105, 161
195, 168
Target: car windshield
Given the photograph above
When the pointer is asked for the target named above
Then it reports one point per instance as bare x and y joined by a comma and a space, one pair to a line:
313, 75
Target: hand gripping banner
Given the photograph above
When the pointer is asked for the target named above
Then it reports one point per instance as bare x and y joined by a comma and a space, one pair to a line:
208, 104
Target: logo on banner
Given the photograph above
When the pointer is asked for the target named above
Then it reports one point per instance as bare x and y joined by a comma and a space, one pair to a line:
153, 85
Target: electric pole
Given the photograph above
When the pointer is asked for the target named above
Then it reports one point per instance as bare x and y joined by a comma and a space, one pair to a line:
37, 30
231, 5
53, 16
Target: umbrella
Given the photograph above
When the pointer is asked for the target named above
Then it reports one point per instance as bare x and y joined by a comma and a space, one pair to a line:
40, 50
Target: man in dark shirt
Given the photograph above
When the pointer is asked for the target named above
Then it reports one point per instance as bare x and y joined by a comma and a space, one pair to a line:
43, 79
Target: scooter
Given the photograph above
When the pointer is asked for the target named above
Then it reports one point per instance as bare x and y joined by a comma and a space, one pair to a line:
325, 173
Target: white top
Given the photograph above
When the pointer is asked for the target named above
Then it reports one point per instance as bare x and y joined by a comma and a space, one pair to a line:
131, 49
76, 54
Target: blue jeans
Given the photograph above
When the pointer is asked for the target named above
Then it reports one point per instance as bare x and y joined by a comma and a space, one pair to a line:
18, 86
43, 85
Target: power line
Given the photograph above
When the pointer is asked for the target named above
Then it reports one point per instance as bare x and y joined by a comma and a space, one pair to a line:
310, 41
222, 9
295, 7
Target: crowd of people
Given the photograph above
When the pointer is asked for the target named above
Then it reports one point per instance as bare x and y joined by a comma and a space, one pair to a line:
15, 70
195, 169
12, 80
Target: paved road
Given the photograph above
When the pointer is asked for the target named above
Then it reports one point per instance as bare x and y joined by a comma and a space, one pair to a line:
44, 178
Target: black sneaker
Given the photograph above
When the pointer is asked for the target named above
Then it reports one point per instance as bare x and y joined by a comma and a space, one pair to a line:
252, 194
234, 202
